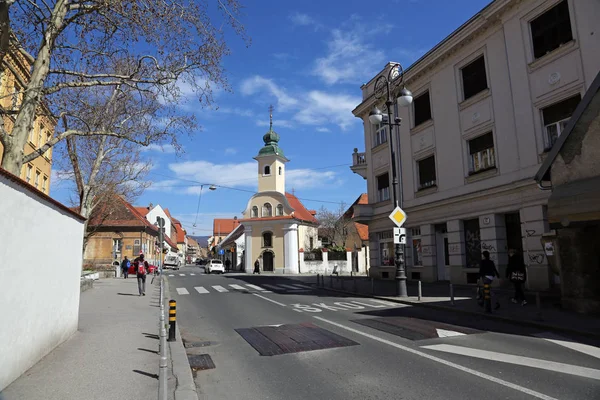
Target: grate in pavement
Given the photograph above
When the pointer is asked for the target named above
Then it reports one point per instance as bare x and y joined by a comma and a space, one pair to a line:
200, 362
292, 338
413, 328
189, 345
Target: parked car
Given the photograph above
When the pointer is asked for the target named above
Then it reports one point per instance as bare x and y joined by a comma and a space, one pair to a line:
214, 266
172, 261
151, 269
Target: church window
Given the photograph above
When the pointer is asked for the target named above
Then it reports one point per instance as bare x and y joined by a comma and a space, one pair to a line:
254, 212
279, 210
267, 239
280, 170
267, 210
267, 170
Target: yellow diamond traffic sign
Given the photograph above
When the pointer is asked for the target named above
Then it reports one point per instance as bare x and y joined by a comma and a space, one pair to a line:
398, 216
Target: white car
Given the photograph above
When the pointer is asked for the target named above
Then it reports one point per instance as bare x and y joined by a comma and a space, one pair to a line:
214, 266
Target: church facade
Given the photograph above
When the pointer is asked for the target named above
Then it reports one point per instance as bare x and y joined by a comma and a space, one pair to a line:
276, 223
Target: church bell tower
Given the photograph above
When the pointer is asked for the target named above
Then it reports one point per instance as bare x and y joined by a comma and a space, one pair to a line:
271, 162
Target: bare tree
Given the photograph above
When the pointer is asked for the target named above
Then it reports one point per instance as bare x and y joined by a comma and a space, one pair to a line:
335, 224
148, 46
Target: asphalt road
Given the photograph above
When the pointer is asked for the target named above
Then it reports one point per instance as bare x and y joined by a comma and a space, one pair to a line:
380, 350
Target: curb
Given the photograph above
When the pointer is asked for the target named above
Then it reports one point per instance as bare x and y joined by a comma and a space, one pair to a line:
185, 388
480, 314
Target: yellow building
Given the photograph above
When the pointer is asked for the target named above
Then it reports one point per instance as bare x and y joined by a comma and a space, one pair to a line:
13, 79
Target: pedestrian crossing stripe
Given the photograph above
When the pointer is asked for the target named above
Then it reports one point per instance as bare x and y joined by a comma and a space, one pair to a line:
182, 290
201, 290
236, 287
255, 287
220, 289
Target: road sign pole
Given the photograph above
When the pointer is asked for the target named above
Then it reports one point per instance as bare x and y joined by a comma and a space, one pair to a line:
398, 216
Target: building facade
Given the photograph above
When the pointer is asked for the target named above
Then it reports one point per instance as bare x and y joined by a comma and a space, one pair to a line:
490, 100
14, 78
275, 223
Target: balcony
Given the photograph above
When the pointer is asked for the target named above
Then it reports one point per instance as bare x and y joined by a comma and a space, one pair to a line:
359, 163
363, 213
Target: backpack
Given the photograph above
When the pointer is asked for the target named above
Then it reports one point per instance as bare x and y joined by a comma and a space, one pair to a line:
141, 269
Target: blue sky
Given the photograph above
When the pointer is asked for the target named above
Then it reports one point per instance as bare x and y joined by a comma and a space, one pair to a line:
309, 60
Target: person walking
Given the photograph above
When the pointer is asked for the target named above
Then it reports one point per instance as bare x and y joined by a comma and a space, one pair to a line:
141, 269
516, 272
256, 267
227, 265
487, 272
125, 264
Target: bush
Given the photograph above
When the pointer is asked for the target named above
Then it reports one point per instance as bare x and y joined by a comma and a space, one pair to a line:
336, 255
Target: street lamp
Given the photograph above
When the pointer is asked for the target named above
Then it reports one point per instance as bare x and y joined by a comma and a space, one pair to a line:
388, 86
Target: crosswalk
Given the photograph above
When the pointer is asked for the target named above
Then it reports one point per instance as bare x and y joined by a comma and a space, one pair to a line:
264, 288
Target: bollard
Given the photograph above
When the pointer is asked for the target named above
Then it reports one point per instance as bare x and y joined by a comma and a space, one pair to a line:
487, 298
172, 320
420, 292
451, 294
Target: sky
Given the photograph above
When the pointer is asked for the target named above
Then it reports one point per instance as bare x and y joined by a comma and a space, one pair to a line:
308, 59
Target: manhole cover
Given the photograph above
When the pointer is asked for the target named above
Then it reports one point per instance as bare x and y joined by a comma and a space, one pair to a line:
189, 345
415, 329
200, 362
292, 338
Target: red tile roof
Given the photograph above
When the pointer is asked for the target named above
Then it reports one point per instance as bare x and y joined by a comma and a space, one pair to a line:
224, 226
142, 210
168, 214
180, 232
362, 229
171, 243
118, 212
300, 212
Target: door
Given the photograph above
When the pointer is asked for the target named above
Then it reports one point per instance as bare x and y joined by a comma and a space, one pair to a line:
268, 261
442, 255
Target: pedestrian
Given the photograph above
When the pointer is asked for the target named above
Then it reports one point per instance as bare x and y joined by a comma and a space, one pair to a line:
125, 264
227, 264
141, 269
256, 267
487, 272
516, 272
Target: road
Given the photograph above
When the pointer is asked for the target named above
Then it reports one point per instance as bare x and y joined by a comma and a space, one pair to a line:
319, 345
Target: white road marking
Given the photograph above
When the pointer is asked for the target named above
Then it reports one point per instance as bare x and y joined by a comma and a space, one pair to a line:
302, 286
268, 299
255, 287
192, 274
442, 361
181, 274
445, 333
171, 275
272, 286
348, 305
387, 303
369, 305
237, 287
561, 341
201, 289
518, 360
287, 286
182, 290
220, 289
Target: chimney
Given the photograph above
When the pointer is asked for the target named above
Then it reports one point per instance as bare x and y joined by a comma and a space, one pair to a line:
150, 206
235, 218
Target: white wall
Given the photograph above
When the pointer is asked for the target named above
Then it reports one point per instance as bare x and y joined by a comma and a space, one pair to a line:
157, 211
325, 266
40, 269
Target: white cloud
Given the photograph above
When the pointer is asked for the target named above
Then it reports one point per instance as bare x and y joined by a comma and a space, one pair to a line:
164, 148
308, 178
322, 129
230, 151
284, 123
258, 84
301, 19
242, 112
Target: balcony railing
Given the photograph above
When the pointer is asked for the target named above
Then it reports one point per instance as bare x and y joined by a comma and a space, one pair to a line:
359, 163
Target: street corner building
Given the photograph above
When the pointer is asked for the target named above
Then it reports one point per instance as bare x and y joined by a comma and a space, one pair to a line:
490, 102
276, 225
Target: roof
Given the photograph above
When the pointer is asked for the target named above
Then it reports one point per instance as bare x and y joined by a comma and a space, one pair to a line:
142, 210
126, 216
168, 214
224, 226
40, 194
361, 229
171, 243
233, 236
192, 242
582, 110
180, 232
300, 212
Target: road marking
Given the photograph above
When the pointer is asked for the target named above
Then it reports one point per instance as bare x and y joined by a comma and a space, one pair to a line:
561, 341
192, 274
287, 286
387, 303
201, 289
442, 361
369, 305
237, 287
445, 333
171, 275
181, 274
518, 360
220, 289
268, 299
348, 305
182, 290
272, 287
302, 286
255, 287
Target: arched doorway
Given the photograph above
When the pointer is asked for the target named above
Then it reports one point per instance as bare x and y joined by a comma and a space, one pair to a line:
267, 261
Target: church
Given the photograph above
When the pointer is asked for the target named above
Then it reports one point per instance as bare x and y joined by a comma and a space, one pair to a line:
276, 224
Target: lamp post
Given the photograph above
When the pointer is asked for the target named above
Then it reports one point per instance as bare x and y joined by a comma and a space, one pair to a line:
388, 86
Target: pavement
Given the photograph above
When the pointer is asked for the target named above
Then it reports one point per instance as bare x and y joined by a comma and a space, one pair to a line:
113, 354
280, 337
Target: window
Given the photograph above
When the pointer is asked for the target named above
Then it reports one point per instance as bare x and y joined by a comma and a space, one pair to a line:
45, 184
136, 247
37, 179
311, 243
417, 254
422, 108
267, 210
383, 187
280, 170
551, 30
426, 171
386, 253
28, 176
279, 210
254, 212
556, 117
380, 135
267, 170
267, 239
472, 242
474, 78
481, 153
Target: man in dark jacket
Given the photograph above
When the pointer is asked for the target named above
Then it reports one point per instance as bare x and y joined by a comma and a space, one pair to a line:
516, 272
141, 269
487, 272
125, 267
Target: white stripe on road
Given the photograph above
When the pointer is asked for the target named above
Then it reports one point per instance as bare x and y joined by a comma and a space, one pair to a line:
220, 289
200, 289
287, 286
192, 274
561, 341
181, 274
442, 361
518, 360
182, 290
237, 287
302, 286
268, 299
171, 275
255, 287
272, 287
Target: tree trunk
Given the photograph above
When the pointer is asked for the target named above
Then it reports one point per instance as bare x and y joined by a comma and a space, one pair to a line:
12, 156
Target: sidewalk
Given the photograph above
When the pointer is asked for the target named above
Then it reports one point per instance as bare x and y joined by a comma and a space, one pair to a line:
113, 355
437, 295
